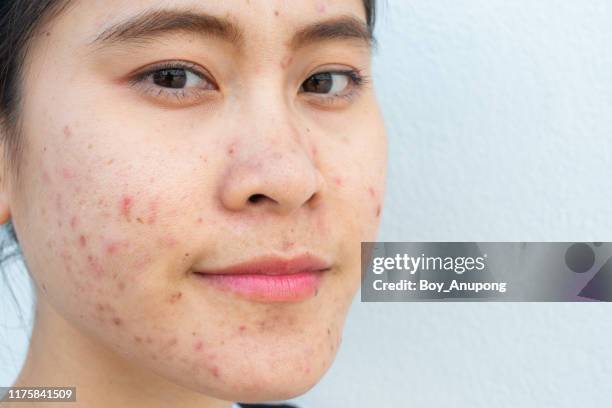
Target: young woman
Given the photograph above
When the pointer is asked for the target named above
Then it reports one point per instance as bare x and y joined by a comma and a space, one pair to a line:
189, 183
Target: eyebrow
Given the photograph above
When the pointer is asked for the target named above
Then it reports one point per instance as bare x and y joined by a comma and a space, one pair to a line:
151, 24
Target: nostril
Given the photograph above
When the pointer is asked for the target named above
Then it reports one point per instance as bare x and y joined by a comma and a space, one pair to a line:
256, 198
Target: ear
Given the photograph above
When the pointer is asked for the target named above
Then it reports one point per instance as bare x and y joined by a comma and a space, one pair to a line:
5, 213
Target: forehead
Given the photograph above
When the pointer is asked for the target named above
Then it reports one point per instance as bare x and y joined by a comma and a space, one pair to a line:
278, 19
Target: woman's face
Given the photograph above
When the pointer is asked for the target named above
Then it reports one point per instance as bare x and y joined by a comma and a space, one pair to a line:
170, 146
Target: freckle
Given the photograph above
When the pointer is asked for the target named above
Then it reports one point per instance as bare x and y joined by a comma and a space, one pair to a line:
111, 161
198, 345
193, 333
44, 288
126, 206
288, 245
378, 211
154, 357
307, 130
82, 240
73, 221
138, 339
139, 220
67, 132
100, 307
230, 151
117, 321
47, 33
89, 146
328, 331
121, 286
276, 13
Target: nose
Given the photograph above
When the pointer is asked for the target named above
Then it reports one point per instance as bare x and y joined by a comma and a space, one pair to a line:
270, 169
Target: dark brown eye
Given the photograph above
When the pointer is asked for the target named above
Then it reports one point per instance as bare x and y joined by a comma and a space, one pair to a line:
326, 83
170, 78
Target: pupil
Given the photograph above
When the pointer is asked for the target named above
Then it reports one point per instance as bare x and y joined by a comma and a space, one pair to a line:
319, 83
170, 78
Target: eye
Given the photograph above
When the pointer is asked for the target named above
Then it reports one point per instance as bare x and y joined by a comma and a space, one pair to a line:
177, 83
176, 78
327, 83
333, 88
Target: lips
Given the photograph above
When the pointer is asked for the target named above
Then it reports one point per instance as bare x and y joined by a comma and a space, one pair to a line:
270, 278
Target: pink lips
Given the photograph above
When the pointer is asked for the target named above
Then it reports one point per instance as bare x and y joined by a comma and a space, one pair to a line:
270, 279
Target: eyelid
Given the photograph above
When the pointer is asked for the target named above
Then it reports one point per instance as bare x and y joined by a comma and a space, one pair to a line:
142, 73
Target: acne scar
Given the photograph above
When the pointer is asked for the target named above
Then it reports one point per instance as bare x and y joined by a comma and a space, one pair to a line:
175, 297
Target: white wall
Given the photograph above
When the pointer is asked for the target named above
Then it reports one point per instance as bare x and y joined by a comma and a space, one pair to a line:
499, 115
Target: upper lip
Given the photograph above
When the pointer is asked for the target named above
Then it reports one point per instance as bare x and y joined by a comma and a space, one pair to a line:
273, 265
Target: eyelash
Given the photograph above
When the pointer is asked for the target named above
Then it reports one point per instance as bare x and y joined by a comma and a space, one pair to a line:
357, 81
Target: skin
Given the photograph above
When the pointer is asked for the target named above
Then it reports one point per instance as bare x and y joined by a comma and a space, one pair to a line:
123, 193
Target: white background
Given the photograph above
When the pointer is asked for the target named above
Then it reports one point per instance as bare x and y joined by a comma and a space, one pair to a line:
499, 116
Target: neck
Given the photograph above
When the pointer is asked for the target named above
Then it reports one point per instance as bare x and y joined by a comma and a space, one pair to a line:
63, 356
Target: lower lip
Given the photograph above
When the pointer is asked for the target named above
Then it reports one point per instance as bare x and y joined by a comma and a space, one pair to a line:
293, 287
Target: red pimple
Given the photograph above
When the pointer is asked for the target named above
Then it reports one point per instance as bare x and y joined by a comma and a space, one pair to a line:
67, 173
67, 132
321, 8
215, 371
117, 321
138, 339
83, 240
286, 62
338, 181
198, 345
126, 205
242, 328
200, 220
152, 213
